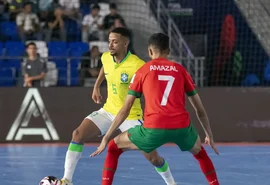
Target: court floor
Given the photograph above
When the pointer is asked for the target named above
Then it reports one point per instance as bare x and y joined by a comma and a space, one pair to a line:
236, 165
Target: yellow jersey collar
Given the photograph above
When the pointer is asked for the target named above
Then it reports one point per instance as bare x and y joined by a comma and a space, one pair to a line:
124, 59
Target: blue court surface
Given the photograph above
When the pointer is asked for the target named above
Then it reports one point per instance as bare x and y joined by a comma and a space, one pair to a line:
236, 165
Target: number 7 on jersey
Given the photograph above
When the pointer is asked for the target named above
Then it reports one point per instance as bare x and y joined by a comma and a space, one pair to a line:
170, 80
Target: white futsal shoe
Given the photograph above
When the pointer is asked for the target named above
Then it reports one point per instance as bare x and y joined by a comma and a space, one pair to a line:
66, 182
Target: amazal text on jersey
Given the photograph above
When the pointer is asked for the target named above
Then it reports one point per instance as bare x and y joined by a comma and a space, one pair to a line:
162, 68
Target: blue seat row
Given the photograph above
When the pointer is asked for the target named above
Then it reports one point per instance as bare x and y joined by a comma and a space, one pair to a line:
11, 53
9, 31
9, 79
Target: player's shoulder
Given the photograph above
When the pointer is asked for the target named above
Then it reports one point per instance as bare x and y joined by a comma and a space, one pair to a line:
136, 59
136, 62
105, 54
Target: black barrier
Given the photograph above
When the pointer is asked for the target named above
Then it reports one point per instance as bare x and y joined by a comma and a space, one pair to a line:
51, 114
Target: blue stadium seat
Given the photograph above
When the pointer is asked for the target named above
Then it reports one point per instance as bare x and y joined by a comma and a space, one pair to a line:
1, 52
62, 77
60, 52
77, 49
14, 49
74, 74
7, 77
1, 47
251, 80
85, 8
267, 71
79, 46
9, 31
57, 44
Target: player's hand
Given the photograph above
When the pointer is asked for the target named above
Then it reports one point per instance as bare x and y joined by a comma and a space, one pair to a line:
211, 143
101, 148
96, 96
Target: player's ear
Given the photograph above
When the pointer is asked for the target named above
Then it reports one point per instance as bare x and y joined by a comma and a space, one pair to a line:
127, 42
150, 52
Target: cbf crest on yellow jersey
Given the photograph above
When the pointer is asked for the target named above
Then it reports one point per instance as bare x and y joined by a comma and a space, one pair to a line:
118, 77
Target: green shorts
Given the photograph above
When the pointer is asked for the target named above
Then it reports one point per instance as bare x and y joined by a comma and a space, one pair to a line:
148, 139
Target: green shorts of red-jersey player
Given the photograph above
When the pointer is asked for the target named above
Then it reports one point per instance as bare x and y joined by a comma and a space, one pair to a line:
149, 139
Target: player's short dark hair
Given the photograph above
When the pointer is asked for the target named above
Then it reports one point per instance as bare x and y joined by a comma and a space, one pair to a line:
122, 31
160, 41
31, 44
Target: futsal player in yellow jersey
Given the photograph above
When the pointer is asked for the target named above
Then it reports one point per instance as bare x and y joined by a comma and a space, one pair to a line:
119, 65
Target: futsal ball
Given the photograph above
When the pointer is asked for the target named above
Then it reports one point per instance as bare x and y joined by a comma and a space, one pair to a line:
50, 180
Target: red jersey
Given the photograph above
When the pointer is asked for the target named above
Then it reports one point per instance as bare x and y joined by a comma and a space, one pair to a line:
164, 85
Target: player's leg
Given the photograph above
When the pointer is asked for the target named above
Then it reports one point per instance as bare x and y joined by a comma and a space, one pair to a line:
113, 154
115, 148
92, 126
189, 140
205, 162
161, 166
153, 157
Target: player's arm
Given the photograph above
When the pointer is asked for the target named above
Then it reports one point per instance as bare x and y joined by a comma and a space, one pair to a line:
202, 116
100, 78
101, 75
96, 95
196, 103
121, 117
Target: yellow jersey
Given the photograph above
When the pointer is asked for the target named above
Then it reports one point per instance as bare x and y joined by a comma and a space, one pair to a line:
118, 77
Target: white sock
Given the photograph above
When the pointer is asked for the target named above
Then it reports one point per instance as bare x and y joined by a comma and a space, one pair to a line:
165, 172
73, 155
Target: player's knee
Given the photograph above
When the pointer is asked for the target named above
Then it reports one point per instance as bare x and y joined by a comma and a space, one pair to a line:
196, 148
77, 136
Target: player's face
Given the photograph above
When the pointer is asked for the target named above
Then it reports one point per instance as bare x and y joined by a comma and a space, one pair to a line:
117, 44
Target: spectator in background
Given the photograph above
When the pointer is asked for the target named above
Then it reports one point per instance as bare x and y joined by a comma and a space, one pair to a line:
108, 21
28, 24
119, 22
34, 5
92, 25
71, 8
15, 7
34, 68
4, 10
55, 26
46, 7
90, 64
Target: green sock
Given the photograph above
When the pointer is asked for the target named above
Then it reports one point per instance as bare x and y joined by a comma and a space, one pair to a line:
165, 172
72, 157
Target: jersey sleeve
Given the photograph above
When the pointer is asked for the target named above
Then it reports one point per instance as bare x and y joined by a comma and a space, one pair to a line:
135, 87
190, 87
103, 57
140, 63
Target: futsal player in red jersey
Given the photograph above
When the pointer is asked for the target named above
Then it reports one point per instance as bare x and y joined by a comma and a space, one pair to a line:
164, 84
